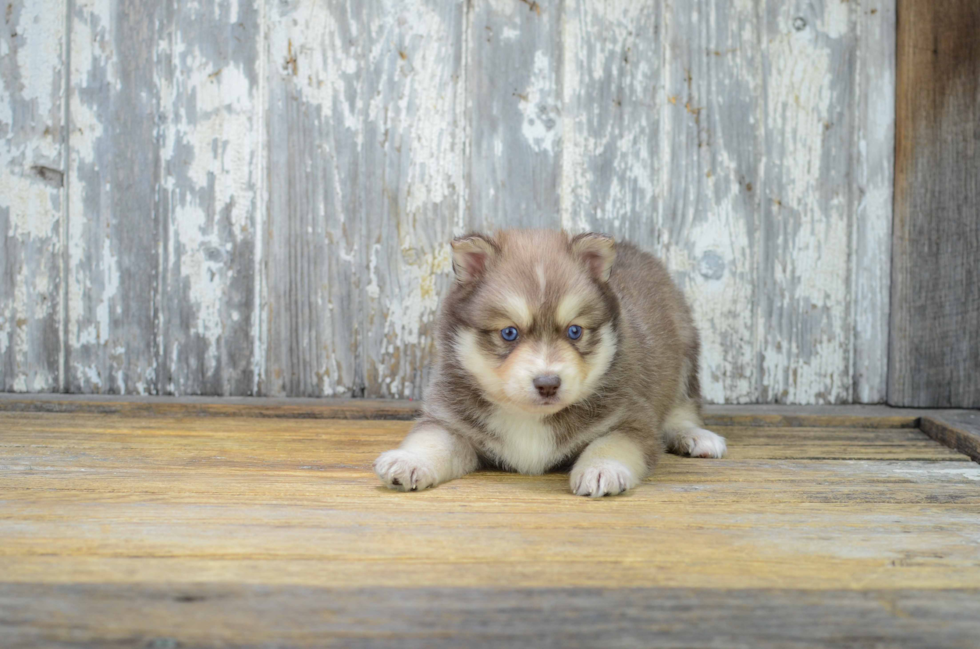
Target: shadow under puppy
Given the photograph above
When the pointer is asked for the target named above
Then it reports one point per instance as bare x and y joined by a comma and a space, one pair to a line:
552, 349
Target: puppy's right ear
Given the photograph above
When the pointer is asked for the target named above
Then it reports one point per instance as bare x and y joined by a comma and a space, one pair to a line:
472, 255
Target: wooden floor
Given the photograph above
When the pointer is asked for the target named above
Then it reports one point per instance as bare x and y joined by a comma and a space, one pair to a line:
166, 531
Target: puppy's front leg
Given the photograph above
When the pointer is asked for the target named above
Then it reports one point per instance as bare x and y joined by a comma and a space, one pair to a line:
608, 466
429, 455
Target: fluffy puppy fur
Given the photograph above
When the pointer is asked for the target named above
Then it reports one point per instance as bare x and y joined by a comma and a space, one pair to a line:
557, 351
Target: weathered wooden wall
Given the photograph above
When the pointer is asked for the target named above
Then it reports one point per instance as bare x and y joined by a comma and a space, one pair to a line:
256, 197
935, 342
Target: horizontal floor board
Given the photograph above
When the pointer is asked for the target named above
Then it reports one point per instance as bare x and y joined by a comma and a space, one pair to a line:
232, 615
384, 409
130, 500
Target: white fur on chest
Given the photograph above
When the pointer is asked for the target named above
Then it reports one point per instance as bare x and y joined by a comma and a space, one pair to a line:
523, 442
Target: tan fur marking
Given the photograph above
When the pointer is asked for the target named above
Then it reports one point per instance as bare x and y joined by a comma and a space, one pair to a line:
472, 358
601, 359
518, 309
569, 308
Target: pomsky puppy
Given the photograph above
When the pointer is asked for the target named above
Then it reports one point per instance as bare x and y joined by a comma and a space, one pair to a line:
557, 351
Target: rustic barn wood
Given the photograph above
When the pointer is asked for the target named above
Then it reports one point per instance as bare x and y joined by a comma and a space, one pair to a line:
934, 354
259, 195
33, 53
855, 416
247, 615
114, 229
958, 429
125, 530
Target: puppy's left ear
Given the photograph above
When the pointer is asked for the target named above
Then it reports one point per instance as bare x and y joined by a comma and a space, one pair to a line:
597, 252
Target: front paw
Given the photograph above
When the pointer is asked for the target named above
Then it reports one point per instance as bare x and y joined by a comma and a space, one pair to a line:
698, 442
404, 470
602, 478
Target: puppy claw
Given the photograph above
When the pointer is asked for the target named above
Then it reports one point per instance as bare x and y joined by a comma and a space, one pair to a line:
404, 471
602, 478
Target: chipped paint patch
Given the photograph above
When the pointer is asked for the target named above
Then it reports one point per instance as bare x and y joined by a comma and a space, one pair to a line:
542, 124
806, 354
209, 146
407, 313
31, 195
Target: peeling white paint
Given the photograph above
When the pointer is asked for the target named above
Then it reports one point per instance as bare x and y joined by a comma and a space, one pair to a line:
415, 306
310, 44
542, 120
427, 91
31, 196
836, 19
680, 130
806, 360
872, 222
87, 309
373, 290
213, 116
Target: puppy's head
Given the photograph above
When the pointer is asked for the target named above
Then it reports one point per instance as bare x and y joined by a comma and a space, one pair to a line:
534, 318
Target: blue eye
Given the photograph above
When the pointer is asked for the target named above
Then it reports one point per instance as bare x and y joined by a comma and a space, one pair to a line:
575, 332
509, 334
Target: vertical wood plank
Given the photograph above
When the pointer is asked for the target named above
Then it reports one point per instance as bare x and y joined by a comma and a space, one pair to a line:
32, 77
513, 77
114, 231
804, 319
365, 134
874, 179
661, 146
614, 119
412, 159
207, 72
737, 90
934, 352
314, 255
710, 213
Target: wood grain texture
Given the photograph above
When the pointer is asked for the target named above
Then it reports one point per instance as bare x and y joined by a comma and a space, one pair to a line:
124, 500
165, 160
33, 52
660, 147
263, 192
514, 119
122, 530
725, 125
808, 72
872, 200
413, 155
222, 615
959, 429
210, 157
934, 353
854, 416
313, 259
114, 228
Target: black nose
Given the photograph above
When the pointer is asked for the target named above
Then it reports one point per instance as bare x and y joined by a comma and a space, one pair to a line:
547, 385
